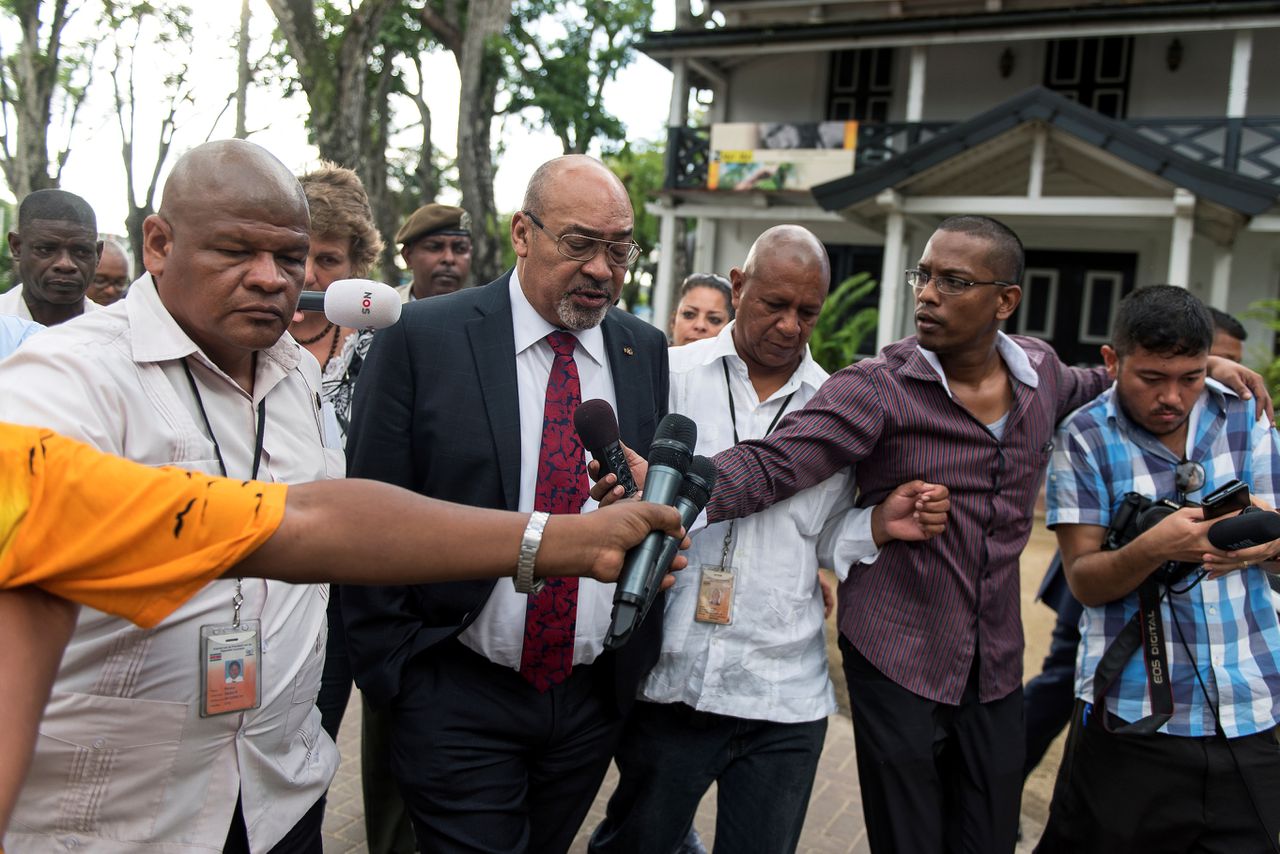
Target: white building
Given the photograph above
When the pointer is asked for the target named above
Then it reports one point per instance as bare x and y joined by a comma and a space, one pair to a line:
1127, 143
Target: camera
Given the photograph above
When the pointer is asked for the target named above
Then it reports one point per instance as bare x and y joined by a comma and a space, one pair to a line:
1138, 514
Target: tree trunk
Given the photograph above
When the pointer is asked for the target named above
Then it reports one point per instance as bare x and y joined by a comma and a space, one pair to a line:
35, 73
243, 75
476, 96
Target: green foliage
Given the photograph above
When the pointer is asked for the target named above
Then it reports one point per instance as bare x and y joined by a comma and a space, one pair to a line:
1268, 311
639, 166
847, 320
560, 80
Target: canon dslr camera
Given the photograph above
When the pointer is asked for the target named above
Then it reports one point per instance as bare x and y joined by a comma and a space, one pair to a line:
1138, 514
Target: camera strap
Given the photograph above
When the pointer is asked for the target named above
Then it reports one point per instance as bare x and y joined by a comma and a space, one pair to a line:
1144, 630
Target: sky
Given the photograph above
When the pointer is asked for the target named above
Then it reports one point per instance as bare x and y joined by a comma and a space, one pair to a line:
94, 169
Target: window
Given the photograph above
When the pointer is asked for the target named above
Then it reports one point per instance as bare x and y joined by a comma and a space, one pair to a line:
1038, 309
861, 85
1093, 72
1102, 292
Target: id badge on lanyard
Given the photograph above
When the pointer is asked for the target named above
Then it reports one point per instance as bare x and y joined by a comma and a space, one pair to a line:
230, 664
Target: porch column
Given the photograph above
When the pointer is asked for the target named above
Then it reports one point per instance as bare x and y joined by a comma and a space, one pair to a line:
1238, 87
664, 285
1221, 284
915, 85
704, 249
891, 278
1184, 206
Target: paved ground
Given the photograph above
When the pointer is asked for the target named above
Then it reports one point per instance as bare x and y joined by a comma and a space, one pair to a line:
834, 822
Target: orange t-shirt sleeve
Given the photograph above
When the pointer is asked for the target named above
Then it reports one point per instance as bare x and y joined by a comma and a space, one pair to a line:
124, 538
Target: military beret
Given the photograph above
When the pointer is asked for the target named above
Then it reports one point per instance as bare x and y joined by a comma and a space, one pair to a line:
434, 219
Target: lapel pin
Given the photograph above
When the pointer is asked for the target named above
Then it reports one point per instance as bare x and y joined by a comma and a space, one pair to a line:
628, 351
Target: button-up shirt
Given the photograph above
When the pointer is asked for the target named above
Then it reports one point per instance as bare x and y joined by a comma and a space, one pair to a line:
11, 302
1228, 622
498, 631
922, 611
13, 331
770, 662
124, 762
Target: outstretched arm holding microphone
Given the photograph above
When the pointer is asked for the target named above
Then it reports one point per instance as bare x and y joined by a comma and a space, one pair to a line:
80, 526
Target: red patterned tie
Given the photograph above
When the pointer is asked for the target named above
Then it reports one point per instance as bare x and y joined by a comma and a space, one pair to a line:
547, 656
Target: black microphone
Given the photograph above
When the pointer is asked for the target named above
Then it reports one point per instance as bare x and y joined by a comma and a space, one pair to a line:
1252, 527
669, 457
695, 492
598, 429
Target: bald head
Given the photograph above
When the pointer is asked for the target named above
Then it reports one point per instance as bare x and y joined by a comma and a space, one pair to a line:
235, 172
571, 240
560, 173
228, 251
778, 293
788, 247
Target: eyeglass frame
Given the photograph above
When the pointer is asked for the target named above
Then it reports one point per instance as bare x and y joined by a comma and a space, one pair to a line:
930, 277
634, 252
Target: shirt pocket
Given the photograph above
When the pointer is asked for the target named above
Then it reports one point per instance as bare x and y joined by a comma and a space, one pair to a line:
302, 733
103, 766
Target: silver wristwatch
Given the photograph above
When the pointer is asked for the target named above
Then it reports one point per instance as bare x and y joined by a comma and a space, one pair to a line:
529, 543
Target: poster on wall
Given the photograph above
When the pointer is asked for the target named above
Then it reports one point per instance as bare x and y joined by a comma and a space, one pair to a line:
780, 155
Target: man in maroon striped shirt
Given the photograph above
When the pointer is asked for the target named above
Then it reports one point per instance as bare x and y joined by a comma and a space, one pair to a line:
931, 631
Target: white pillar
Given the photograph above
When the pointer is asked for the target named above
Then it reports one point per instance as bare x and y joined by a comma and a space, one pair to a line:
1238, 88
915, 85
1184, 206
704, 249
679, 113
1219, 289
1035, 176
664, 285
891, 279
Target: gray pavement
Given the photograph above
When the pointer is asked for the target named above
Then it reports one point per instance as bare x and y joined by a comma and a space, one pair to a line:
834, 821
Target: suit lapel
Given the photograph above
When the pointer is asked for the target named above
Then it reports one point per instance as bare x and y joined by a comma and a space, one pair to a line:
630, 379
494, 351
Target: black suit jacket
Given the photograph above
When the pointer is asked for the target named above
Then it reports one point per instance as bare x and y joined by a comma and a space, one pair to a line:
436, 410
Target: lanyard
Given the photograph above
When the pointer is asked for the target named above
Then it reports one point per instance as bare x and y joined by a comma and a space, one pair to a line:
238, 599
733, 419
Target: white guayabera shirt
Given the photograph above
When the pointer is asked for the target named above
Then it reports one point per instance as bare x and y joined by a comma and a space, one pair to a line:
124, 762
770, 663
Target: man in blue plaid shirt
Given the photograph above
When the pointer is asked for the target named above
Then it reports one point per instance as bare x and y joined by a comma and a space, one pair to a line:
1207, 778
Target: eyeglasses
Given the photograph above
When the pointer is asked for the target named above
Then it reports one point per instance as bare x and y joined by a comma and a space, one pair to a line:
949, 285
581, 248
1188, 476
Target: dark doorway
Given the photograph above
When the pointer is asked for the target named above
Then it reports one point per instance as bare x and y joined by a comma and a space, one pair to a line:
1069, 299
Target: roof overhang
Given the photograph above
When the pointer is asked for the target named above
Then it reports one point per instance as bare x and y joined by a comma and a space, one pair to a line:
1113, 171
1025, 25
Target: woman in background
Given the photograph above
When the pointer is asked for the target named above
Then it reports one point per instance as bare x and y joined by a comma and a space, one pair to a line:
706, 305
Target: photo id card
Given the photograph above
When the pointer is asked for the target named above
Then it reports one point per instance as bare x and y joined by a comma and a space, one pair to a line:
230, 668
715, 595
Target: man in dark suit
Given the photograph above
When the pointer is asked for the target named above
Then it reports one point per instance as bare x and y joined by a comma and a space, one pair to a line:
504, 707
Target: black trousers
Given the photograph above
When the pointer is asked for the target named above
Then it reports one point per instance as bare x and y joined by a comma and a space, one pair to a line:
486, 763
1163, 794
1049, 698
934, 777
305, 837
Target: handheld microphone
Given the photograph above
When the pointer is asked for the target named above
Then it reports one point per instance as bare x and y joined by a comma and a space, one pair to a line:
1252, 527
669, 457
695, 492
355, 303
598, 429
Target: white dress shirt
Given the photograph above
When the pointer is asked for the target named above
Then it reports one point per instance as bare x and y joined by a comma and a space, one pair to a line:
770, 663
498, 631
124, 762
11, 302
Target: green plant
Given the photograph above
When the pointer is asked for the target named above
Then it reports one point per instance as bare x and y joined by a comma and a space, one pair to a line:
847, 320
